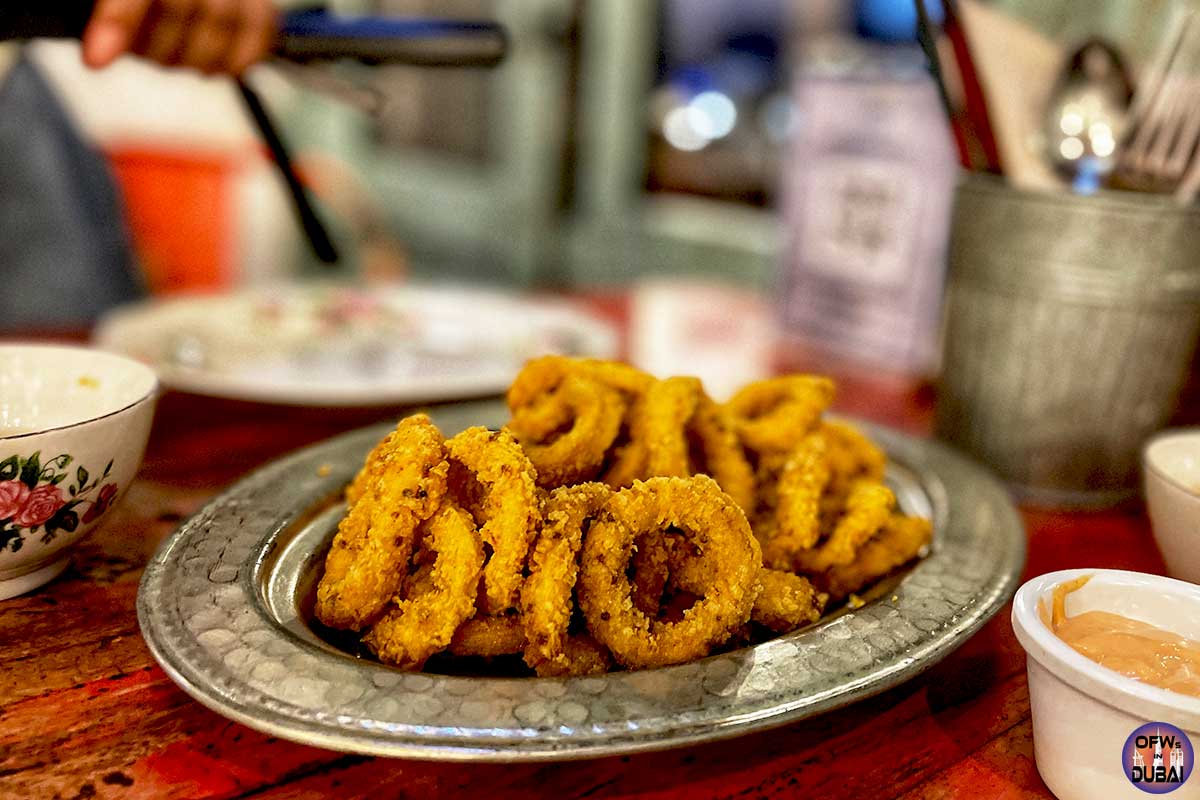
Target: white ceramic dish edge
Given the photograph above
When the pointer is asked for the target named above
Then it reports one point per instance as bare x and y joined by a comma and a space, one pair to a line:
1174, 508
145, 378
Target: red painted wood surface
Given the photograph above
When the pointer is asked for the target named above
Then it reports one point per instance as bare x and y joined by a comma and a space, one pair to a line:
86, 713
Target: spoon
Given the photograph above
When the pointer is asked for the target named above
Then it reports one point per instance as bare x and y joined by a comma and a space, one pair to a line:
1085, 116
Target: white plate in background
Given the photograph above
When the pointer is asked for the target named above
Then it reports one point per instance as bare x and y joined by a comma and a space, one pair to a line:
337, 345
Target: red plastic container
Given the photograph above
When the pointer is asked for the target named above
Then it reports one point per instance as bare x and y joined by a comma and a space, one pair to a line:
180, 211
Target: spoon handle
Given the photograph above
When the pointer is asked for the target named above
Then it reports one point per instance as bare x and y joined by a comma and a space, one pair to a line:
318, 237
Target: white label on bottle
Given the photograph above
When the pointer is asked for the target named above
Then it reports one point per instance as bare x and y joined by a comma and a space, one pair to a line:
864, 233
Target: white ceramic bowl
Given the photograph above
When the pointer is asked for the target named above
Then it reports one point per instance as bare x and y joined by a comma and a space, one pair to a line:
1082, 712
73, 428
1171, 463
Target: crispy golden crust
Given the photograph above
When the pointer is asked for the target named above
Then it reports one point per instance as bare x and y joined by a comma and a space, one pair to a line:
685, 433
544, 374
630, 381
669, 406
423, 623
852, 456
774, 415
489, 636
766, 480
567, 432
901, 540
624, 459
509, 509
797, 515
538, 377
628, 461
400, 486
786, 602
547, 598
583, 656
462, 547
868, 507
714, 525
724, 459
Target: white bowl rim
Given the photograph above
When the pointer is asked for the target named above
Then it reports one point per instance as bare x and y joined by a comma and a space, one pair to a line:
1077, 670
149, 394
1152, 468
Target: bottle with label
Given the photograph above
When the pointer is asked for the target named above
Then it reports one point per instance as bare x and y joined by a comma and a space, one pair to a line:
866, 200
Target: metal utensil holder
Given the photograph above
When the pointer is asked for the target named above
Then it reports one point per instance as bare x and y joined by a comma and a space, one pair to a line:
1069, 328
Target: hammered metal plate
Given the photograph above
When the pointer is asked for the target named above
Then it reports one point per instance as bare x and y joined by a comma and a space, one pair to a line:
225, 606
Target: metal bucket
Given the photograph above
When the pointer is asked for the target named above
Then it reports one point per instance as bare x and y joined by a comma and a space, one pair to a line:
1069, 328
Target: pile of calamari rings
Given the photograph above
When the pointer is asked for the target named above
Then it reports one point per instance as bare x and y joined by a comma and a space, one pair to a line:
617, 522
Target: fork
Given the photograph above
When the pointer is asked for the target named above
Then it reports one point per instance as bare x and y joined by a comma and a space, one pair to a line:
1163, 122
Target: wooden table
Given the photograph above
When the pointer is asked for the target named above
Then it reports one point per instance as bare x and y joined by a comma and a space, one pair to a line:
86, 713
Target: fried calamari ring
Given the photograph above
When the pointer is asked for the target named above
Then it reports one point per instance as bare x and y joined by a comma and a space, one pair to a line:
489, 636
544, 374
630, 381
509, 509
590, 412
547, 596
786, 602
724, 459
684, 432
418, 582
541, 376
798, 514
901, 540
766, 479
423, 624
538, 377
583, 655
868, 507
852, 456
715, 527
372, 466
775, 414
628, 463
669, 405
400, 487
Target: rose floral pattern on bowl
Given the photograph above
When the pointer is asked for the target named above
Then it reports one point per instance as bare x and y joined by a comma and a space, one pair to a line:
49, 497
74, 422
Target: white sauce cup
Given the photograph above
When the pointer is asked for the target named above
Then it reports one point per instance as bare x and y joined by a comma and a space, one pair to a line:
1082, 712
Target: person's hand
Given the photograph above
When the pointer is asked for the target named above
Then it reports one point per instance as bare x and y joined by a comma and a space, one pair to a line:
210, 35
